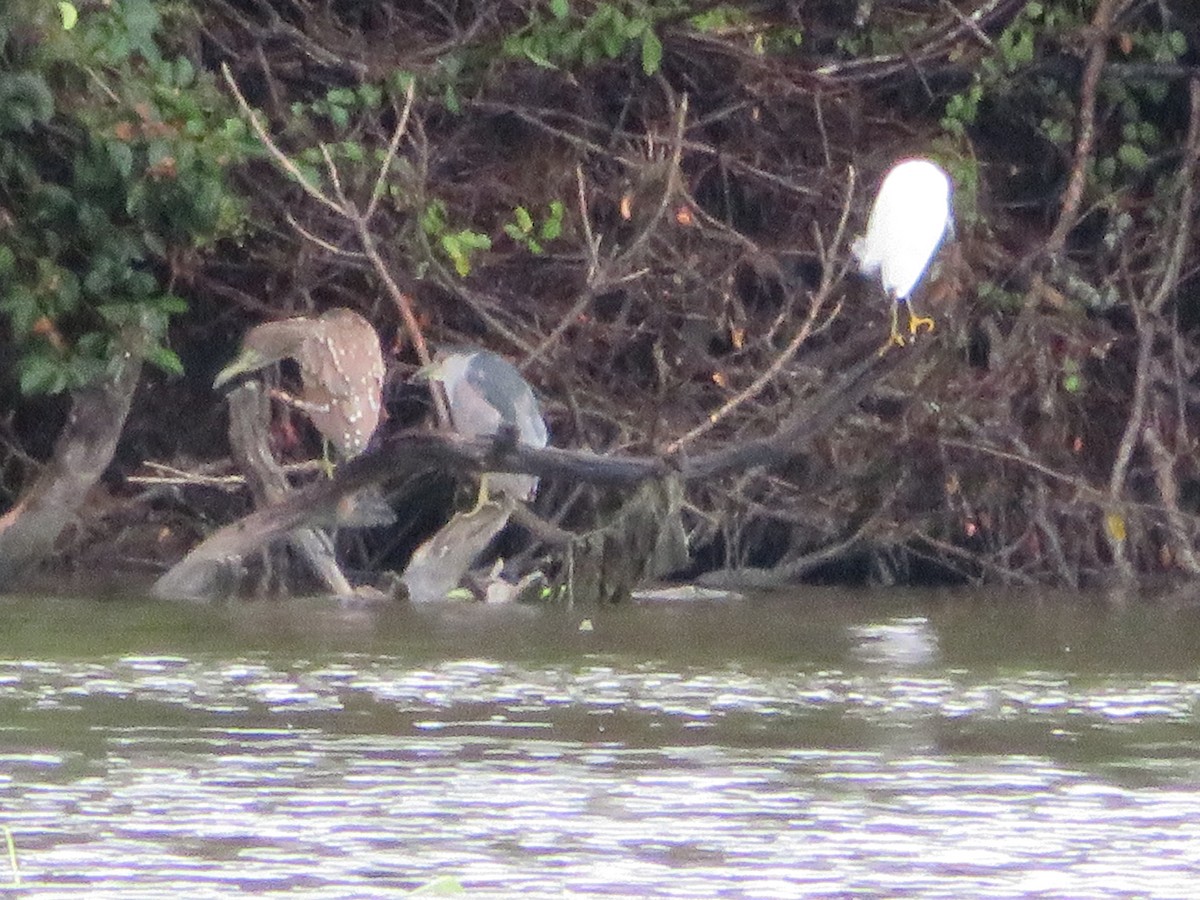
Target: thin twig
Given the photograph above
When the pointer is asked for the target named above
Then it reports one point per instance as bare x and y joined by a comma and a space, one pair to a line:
336, 181
798, 340
320, 242
280, 157
1163, 464
393, 147
1187, 180
1146, 316
345, 208
626, 256
1102, 22
593, 244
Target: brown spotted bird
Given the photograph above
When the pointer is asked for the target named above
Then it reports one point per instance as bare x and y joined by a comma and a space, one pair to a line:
341, 372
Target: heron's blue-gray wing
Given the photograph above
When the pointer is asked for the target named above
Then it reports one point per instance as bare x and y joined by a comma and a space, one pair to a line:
506, 390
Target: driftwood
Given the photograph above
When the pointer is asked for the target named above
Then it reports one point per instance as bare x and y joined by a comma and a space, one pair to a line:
439, 564
82, 452
249, 429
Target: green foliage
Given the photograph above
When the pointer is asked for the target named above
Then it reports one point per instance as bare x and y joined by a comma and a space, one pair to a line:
521, 229
998, 298
112, 157
70, 15
456, 245
1129, 144
896, 36
571, 35
1072, 376
729, 20
567, 35
340, 105
1014, 49
341, 125
964, 174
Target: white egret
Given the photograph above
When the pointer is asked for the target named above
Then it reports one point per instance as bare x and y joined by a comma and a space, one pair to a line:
910, 217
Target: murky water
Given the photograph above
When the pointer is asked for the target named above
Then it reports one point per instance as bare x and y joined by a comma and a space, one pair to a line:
826, 744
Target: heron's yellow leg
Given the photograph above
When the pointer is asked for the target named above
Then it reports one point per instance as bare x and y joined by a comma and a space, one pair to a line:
482, 498
326, 459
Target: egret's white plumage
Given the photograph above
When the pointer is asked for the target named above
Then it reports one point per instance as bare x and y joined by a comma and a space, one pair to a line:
907, 223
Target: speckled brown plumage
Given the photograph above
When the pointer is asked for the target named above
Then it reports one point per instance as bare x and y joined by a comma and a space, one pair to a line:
341, 367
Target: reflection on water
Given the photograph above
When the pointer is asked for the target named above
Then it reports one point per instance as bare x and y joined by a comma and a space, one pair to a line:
825, 746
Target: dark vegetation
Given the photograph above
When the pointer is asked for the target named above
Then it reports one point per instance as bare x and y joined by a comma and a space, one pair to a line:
648, 207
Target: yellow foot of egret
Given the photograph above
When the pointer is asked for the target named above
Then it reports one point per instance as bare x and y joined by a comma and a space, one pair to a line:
916, 323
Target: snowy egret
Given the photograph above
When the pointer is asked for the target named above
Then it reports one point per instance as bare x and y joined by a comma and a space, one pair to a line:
908, 221
486, 393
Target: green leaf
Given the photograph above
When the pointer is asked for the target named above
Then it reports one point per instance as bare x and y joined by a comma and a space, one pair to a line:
121, 156
453, 249
94, 344
309, 173
560, 9
514, 232
552, 227
70, 15
612, 43
433, 220
370, 95
185, 72
65, 290
536, 58
399, 81
165, 358
141, 21
80, 371
119, 314
41, 374
473, 240
652, 51
21, 305
1133, 156
523, 219
98, 281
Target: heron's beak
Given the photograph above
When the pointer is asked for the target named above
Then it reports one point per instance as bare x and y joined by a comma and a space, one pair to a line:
431, 372
248, 360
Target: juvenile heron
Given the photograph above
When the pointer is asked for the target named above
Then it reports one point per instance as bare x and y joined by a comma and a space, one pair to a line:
341, 373
908, 221
486, 393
